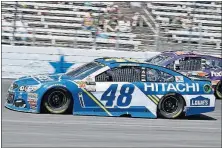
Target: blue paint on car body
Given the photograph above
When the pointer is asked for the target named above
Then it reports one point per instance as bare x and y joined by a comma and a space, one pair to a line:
116, 99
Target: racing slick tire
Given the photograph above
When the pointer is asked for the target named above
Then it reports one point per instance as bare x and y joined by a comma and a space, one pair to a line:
171, 106
57, 101
218, 90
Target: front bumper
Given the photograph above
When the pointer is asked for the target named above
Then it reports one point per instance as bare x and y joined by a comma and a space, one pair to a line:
22, 101
13, 107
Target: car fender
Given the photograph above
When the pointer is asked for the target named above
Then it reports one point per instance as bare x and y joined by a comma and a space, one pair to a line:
68, 85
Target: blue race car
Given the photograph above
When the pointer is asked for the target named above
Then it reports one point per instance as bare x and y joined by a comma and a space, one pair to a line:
113, 87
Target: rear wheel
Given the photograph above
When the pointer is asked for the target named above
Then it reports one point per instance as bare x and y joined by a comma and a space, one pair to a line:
57, 101
171, 106
218, 90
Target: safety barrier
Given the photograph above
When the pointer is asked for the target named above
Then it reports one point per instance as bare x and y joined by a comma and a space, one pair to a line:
19, 61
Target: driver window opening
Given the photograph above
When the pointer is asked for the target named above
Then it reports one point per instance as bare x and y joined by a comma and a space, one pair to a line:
120, 74
188, 64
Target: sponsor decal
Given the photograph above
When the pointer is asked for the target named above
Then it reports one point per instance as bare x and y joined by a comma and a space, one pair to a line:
200, 101
178, 87
90, 87
179, 79
143, 74
216, 74
90, 84
32, 99
81, 99
32, 95
89, 79
22, 88
32, 103
44, 78
81, 84
201, 74
29, 88
195, 73
207, 88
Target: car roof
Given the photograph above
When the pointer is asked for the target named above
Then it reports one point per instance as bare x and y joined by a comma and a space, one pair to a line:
190, 53
111, 60
125, 61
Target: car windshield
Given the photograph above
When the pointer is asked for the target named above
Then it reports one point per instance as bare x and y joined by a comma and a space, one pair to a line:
217, 64
159, 59
84, 70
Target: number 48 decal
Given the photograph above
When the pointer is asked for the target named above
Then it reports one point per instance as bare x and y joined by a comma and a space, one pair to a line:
123, 99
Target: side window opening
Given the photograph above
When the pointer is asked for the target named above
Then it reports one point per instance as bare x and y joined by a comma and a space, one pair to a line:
120, 74
153, 75
189, 63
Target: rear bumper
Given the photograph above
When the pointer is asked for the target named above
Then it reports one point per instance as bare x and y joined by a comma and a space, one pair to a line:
198, 110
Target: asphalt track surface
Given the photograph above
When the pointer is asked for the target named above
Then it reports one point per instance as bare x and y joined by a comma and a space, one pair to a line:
45, 130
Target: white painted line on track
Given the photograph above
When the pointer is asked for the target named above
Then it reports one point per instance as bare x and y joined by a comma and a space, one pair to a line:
112, 120
68, 134
101, 146
105, 124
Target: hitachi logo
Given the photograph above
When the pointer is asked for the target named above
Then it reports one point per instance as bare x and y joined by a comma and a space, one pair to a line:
216, 74
181, 87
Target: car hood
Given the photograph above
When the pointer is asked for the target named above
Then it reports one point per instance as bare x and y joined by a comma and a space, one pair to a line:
37, 79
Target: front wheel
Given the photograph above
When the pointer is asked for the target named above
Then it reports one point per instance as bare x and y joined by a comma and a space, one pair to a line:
57, 101
171, 106
218, 90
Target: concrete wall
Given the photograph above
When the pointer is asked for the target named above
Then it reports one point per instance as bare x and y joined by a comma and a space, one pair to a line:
19, 61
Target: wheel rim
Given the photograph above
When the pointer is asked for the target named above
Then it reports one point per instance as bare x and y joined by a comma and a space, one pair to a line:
170, 105
57, 99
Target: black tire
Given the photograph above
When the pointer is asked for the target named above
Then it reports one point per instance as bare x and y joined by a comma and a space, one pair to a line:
218, 90
57, 101
171, 106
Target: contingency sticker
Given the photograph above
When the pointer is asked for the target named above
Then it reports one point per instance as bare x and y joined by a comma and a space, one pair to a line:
179, 78
32, 99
